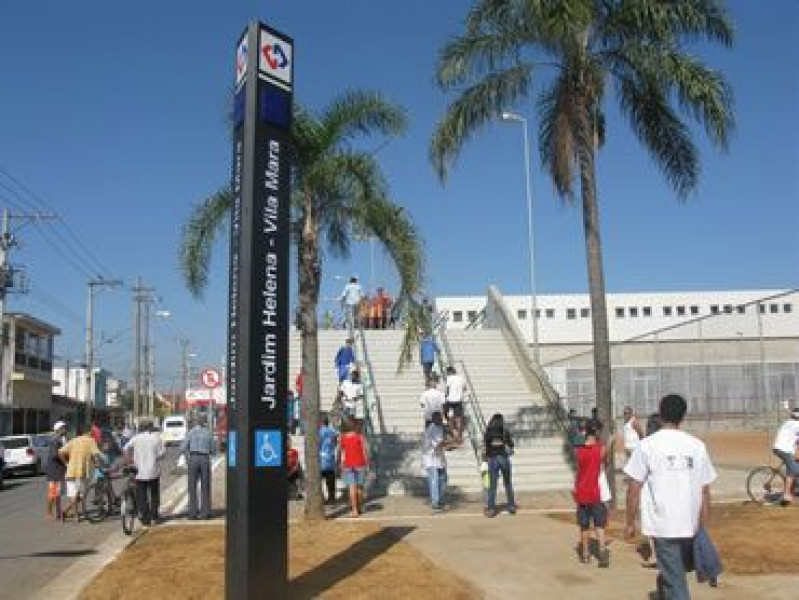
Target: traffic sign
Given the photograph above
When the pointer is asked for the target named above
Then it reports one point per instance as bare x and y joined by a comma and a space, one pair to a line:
211, 378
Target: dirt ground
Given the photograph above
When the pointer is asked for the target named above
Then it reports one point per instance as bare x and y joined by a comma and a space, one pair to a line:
325, 561
743, 449
751, 539
739, 448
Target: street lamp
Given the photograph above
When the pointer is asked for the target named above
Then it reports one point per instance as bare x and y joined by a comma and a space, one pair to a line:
509, 116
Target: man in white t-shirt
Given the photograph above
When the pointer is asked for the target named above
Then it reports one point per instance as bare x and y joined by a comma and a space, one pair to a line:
432, 400
350, 299
678, 472
453, 407
351, 393
434, 463
785, 448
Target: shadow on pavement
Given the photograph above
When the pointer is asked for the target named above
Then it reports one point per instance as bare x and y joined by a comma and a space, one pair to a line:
53, 554
358, 555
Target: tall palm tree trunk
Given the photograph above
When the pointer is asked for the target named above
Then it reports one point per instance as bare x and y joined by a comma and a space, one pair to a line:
599, 313
309, 275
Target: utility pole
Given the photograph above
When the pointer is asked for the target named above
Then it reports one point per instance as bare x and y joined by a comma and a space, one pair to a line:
184, 368
7, 241
142, 295
94, 285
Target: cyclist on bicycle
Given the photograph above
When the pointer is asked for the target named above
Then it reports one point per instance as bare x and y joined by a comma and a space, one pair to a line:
785, 448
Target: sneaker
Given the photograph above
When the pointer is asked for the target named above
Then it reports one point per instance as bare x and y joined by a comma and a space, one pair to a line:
512, 510
604, 558
490, 513
584, 558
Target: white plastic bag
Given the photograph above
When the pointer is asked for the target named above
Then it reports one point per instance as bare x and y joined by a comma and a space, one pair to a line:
604, 488
181, 461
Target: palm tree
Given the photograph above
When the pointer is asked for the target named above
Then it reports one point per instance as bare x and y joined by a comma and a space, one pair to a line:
336, 190
578, 47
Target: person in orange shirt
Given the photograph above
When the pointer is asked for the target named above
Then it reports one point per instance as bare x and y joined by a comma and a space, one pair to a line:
375, 308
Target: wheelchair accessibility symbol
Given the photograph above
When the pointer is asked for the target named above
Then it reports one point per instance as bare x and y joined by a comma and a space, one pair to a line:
268, 448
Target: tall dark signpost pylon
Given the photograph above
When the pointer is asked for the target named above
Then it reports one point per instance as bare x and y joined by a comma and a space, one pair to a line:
256, 547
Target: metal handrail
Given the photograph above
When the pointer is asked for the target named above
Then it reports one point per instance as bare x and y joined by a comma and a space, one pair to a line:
369, 388
476, 421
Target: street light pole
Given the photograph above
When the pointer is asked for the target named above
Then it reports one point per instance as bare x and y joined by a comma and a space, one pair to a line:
508, 116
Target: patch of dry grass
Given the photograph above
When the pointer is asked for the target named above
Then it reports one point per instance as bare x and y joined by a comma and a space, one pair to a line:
326, 560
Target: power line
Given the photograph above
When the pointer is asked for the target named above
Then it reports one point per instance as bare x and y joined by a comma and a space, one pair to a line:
34, 200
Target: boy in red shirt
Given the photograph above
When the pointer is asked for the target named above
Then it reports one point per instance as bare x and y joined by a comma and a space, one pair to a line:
590, 507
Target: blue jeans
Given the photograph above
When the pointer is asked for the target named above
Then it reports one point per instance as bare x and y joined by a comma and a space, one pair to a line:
497, 465
671, 557
437, 483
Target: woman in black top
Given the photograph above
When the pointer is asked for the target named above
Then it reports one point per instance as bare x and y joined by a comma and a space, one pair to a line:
498, 448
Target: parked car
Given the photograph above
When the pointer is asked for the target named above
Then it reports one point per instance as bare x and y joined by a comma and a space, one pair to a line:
174, 429
26, 452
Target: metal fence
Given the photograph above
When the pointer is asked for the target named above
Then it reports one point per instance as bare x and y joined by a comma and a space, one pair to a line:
736, 368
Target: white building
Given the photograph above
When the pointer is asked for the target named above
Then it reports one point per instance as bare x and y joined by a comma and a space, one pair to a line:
727, 351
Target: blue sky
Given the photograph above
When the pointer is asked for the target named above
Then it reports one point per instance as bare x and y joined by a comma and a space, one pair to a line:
113, 113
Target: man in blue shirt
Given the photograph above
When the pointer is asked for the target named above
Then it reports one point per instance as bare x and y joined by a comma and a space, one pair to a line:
427, 354
327, 457
344, 358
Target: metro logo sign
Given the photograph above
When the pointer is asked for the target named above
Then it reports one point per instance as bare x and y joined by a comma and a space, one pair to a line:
241, 61
275, 59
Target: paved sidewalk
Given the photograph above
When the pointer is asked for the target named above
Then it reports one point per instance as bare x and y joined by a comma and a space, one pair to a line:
531, 555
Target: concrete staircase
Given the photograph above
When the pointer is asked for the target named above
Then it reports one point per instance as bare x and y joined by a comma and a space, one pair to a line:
400, 424
539, 463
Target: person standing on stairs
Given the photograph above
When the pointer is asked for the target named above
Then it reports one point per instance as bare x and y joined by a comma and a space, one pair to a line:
350, 300
345, 358
434, 462
453, 408
428, 349
432, 400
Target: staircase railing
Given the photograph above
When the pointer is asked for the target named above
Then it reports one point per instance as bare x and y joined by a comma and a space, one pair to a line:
371, 400
498, 316
474, 418
477, 320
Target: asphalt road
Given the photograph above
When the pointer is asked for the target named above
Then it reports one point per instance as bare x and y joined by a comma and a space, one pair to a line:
34, 549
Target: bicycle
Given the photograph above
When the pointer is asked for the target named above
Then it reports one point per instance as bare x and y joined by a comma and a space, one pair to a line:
128, 508
99, 500
766, 484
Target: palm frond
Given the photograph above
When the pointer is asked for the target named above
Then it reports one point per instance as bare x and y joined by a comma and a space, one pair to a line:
463, 58
360, 113
662, 132
556, 135
475, 107
197, 239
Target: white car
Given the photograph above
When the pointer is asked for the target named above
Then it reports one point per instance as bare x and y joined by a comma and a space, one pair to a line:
174, 429
25, 452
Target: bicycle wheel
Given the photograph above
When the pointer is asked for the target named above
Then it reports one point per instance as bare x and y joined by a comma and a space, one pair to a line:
128, 511
765, 484
95, 502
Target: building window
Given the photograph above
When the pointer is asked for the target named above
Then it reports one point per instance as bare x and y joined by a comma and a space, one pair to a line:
647, 311
633, 311
537, 313
521, 314
694, 310
681, 311
762, 309
728, 308
667, 311
472, 314
714, 309
457, 316
786, 308
741, 309
586, 312
550, 313
571, 313
619, 313
773, 308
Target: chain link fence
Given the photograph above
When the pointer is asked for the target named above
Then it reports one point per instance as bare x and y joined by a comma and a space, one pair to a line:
737, 367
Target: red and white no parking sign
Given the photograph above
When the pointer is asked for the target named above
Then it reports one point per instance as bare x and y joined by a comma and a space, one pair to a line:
211, 378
